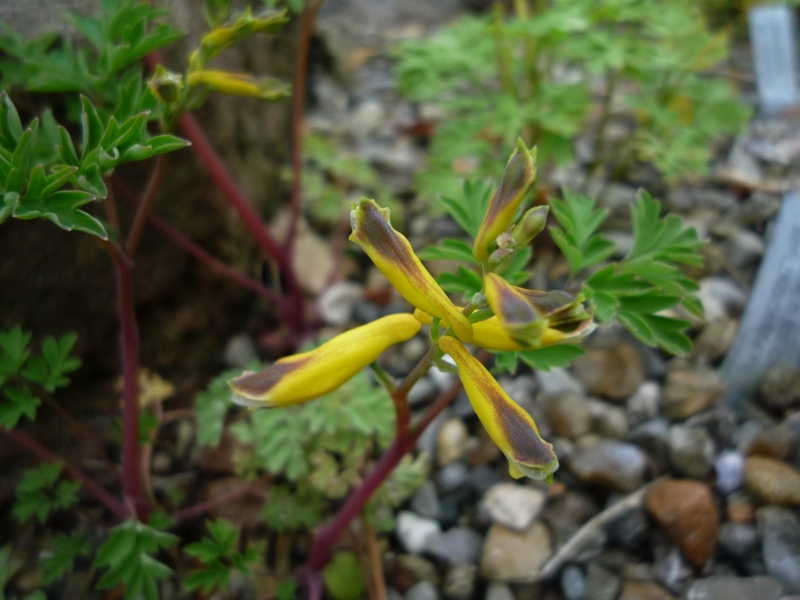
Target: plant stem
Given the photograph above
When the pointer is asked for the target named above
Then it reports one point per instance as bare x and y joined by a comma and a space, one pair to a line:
146, 202
252, 220
501, 52
602, 124
198, 510
115, 506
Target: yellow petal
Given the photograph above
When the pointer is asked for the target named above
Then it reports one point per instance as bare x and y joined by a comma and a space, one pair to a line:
514, 311
392, 254
309, 375
240, 84
518, 178
510, 427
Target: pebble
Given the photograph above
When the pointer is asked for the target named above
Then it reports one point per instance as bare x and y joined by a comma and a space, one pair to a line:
609, 421
688, 391
457, 545
669, 566
610, 464
630, 529
414, 349
779, 389
644, 590
513, 506
614, 372
743, 248
240, 351
771, 480
568, 415
459, 581
409, 569
424, 590
499, 591
780, 532
715, 339
483, 478
601, 584
416, 532
422, 392
691, 451
735, 588
515, 557
573, 583
425, 501
556, 382
452, 441
653, 437
729, 467
452, 477
686, 511
336, 303
645, 403
721, 297
740, 540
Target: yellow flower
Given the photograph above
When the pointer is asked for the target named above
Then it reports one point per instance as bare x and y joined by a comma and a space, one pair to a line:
510, 427
309, 375
392, 254
517, 180
240, 84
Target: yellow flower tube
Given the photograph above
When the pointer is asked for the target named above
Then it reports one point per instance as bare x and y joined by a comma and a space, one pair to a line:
392, 254
510, 427
312, 374
240, 84
518, 178
514, 311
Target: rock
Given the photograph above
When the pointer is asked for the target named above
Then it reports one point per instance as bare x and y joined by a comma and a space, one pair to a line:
780, 533
610, 464
644, 590
336, 303
452, 441
691, 451
779, 389
573, 583
414, 349
653, 437
743, 248
425, 501
367, 118
772, 442
568, 415
721, 297
715, 339
740, 540
459, 581
685, 510
557, 381
457, 545
601, 584
513, 506
773, 481
614, 372
499, 591
240, 351
729, 467
422, 392
734, 588
515, 557
424, 590
739, 510
416, 532
452, 477
669, 566
630, 529
483, 478
690, 390
645, 403
312, 255
609, 421
409, 569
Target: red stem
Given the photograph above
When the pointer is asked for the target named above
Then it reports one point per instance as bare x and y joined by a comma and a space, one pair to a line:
307, 19
146, 202
114, 505
252, 220
202, 508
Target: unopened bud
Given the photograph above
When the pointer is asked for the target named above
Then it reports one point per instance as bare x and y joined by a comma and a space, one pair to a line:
500, 260
530, 225
166, 85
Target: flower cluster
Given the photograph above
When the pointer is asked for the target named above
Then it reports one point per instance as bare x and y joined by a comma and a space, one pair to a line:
502, 317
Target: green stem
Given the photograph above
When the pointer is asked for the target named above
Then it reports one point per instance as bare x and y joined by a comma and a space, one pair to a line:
501, 52
602, 124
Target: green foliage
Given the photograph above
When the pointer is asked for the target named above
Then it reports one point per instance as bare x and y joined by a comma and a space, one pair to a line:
212, 405
646, 281
60, 558
343, 577
219, 554
533, 72
290, 509
41, 492
128, 554
19, 368
538, 359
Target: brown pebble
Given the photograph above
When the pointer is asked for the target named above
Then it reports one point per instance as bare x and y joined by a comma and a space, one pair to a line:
614, 372
740, 512
686, 511
771, 480
690, 390
644, 590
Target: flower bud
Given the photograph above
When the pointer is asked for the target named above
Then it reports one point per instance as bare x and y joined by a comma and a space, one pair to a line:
530, 225
240, 84
312, 374
392, 254
515, 312
510, 427
517, 180
165, 85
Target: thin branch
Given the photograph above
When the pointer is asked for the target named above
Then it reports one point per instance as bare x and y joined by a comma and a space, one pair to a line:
145, 204
198, 510
114, 505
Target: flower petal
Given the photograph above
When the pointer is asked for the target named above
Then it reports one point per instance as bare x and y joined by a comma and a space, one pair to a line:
517, 180
515, 312
309, 375
392, 254
512, 428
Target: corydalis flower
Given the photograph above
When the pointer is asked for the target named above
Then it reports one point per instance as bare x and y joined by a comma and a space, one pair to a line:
517, 180
309, 375
510, 427
240, 84
392, 254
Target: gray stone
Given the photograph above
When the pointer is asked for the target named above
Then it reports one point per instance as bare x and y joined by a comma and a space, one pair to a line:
513, 557
721, 297
610, 464
422, 392
735, 588
240, 351
416, 532
452, 476
773, 33
425, 501
451, 443
653, 437
457, 545
780, 532
499, 591
336, 303
424, 590
459, 581
630, 529
609, 421
645, 403
558, 381
729, 467
740, 540
601, 584
573, 583
514, 506
743, 248
669, 566
691, 451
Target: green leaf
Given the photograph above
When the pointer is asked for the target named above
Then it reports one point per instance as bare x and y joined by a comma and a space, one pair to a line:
20, 402
10, 125
62, 208
127, 555
39, 493
465, 281
91, 127
661, 239
60, 559
51, 368
218, 551
544, 359
343, 577
449, 249
14, 346
469, 209
578, 240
